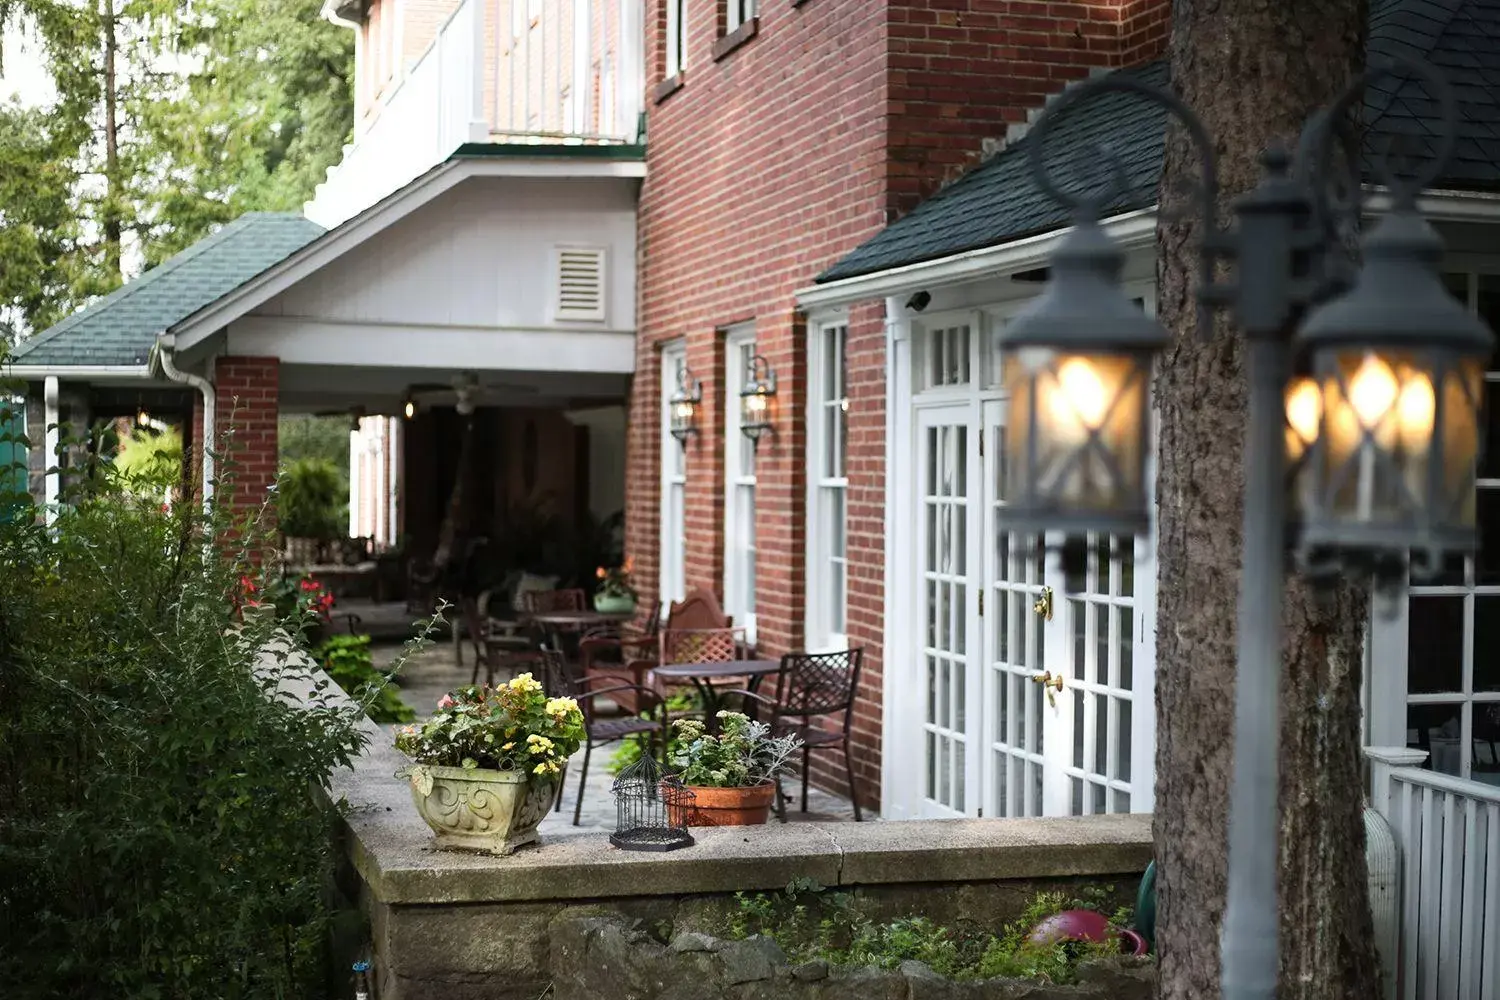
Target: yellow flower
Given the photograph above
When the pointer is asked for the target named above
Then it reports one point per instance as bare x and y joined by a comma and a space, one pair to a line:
509, 746
525, 683
560, 707
539, 769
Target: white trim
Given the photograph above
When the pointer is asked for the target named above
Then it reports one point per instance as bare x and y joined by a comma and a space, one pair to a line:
52, 478
1131, 230
399, 345
77, 373
817, 629
385, 213
738, 604
894, 697
671, 569
676, 43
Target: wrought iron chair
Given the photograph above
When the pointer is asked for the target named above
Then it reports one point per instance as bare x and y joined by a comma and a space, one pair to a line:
559, 682
623, 653
544, 602
812, 686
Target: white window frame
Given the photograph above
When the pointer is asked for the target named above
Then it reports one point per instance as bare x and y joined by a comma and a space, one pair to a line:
672, 582
738, 12
739, 487
676, 42
822, 620
1388, 635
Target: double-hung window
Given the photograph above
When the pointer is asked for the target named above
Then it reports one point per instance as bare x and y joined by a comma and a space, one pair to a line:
737, 12
739, 486
672, 584
676, 37
827, 534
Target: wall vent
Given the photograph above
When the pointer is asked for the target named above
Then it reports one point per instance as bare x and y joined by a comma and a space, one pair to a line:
580, 284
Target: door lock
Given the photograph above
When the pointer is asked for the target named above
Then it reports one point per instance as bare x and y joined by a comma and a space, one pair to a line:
1053, 684
1043, 605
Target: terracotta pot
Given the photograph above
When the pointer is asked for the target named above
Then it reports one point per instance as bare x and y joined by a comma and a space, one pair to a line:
481, 810
727, 806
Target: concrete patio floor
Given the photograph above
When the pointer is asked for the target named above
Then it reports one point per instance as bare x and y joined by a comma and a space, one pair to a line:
432, 673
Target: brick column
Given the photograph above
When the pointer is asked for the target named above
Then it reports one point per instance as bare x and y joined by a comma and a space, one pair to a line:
245, 414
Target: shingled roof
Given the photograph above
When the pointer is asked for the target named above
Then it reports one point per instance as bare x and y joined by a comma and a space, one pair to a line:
998, 202
120, 328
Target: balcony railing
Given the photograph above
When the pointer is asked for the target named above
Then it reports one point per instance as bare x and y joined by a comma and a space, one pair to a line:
501, 71
1448, 833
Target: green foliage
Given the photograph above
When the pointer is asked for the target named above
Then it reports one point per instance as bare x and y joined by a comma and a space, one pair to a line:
157, 835
313, 500
218, 107
629, 750
742, 754
811, 923
348, 660
299, 436
513, 727
150, 459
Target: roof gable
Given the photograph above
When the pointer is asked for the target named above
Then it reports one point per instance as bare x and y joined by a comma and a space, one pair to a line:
999, 202
120, 328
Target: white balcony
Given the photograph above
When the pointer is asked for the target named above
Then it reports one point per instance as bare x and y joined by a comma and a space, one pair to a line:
499, 71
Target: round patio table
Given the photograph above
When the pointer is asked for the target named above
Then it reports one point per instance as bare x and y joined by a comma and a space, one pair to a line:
555, 623
702, 676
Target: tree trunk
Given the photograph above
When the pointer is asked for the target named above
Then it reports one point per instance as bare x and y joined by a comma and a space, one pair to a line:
113, 196
1254, 71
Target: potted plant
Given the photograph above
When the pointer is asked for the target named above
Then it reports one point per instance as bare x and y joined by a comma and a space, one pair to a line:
615, 594
731, 773
486, 767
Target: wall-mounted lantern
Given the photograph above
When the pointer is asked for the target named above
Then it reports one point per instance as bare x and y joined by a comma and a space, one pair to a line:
684, 406
410, 407
756, 398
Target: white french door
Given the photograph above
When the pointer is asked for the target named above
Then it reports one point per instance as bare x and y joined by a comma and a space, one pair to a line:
1033, 682
947, 455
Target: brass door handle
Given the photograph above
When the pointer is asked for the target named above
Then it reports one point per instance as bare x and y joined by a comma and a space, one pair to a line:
1053, 684
1043, 605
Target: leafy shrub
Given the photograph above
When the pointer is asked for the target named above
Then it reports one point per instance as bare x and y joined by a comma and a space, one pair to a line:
150, 459
629, 750
157, 835
810, 923
348, 660
312, 500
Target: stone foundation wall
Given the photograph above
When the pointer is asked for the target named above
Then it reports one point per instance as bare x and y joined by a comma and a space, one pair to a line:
599, 958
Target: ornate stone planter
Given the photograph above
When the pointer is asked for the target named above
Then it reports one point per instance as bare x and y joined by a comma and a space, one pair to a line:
481, 810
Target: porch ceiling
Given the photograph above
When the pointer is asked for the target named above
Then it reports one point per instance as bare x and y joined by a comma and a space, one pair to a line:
384, 389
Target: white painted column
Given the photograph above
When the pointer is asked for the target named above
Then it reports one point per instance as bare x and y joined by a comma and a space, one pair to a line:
52, 478
356, 473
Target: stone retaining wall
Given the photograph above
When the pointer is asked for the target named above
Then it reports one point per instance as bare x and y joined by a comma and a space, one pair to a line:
601, 958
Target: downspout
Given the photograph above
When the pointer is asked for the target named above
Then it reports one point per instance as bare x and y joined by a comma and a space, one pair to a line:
51, 479
161, 359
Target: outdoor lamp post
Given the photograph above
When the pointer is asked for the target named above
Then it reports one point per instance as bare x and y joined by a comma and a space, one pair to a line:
1369, 440
683, 418
756, 397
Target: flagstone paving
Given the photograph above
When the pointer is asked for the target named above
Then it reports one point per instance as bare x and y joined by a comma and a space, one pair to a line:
432, 673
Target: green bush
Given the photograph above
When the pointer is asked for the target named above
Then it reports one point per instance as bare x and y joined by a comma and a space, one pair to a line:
348, 660
150, 459
159, 834
313, 500
811, 923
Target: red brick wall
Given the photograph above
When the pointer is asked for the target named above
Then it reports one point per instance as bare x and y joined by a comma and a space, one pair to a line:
765, 167
245, 415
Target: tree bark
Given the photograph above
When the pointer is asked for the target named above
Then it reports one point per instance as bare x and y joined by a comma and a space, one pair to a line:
1254, 70
113, 196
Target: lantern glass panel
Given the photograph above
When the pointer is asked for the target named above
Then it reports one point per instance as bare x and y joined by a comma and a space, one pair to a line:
1400, 433
1076, 434
755, 410
684, 413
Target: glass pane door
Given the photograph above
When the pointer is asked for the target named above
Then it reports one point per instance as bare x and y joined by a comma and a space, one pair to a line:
946, 453
1021, 713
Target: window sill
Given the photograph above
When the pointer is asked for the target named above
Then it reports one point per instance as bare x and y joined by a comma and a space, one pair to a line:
667, 88
739, 36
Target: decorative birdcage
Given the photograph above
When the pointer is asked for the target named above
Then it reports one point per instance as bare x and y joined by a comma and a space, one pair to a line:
652, 809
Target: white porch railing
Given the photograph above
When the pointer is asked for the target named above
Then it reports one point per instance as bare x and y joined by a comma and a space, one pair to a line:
504, 71
1448, 832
